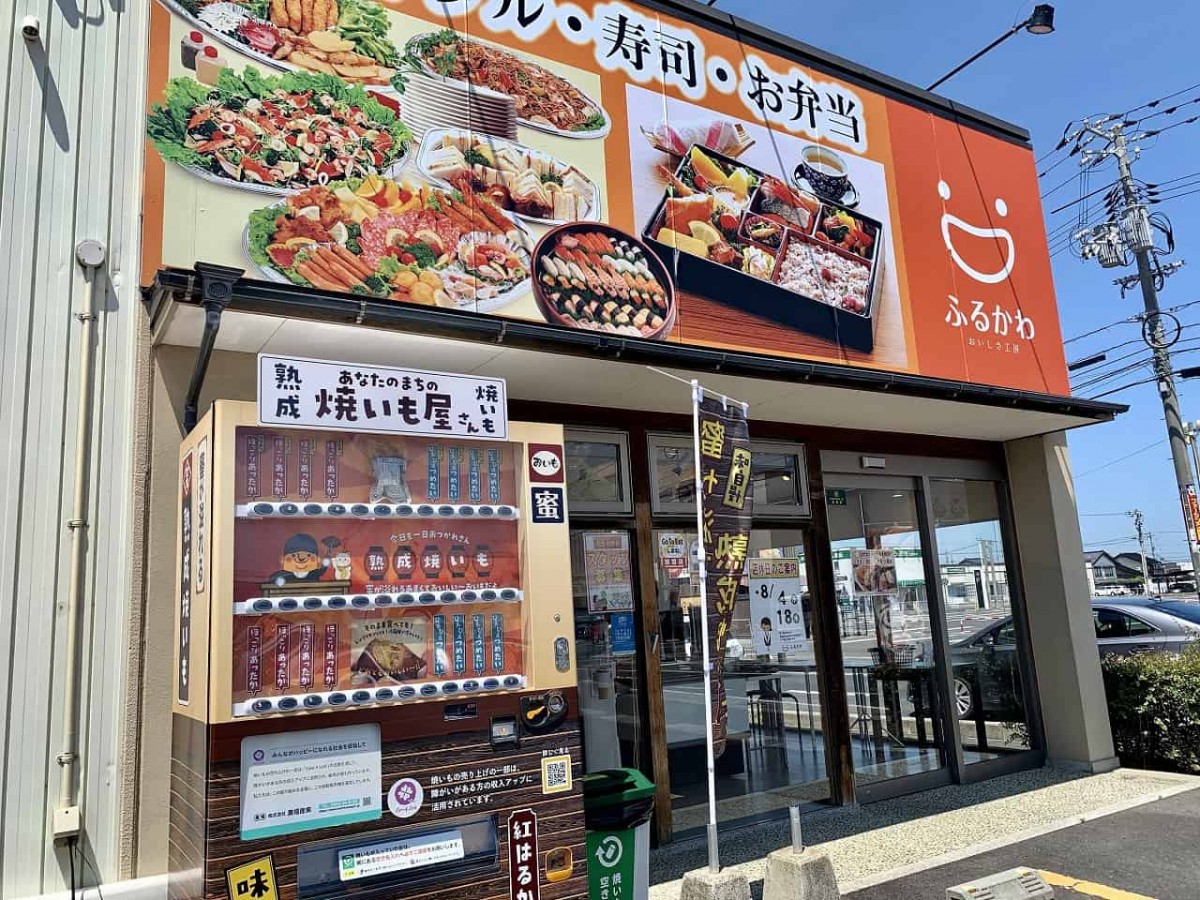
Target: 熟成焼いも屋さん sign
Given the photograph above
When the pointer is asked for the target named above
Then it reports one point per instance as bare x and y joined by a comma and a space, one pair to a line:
301, 780
599, 166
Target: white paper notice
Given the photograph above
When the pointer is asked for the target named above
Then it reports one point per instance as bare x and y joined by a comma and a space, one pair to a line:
310, 779
776, 608
400, 855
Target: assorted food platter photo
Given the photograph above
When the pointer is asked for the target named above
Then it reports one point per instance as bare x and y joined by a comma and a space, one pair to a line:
399, 177
531, 184
344, 38
393, 240
544, 101
751, 241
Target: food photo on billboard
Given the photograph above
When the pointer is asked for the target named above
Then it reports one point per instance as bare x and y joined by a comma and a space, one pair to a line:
595, 166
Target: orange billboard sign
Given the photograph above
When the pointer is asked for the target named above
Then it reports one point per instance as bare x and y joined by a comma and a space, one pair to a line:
631, 169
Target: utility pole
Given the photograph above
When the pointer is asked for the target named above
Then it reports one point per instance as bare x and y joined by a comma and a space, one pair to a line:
1138, 524
1154, 556
1134, 233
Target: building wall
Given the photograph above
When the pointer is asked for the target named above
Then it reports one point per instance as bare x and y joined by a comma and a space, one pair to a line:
230, 376
1058, 605
70, 169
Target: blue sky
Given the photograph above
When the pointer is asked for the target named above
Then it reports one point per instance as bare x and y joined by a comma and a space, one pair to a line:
1105, 56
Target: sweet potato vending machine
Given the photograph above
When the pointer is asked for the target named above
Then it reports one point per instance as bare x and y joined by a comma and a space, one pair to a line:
375, 689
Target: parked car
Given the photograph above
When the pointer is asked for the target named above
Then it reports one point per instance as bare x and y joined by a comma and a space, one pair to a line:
1125, 626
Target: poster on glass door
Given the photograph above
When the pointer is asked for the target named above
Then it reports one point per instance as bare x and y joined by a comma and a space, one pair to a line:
776, 607
608, 571
874, 579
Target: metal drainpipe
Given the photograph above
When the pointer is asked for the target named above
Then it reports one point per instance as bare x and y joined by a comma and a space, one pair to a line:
89, 255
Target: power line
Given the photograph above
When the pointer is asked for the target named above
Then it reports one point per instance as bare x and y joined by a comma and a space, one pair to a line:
1080, 337
1153, 103
1100, 374
1169, 111
1120, 459
1124, 387
1107, 187
1155, 132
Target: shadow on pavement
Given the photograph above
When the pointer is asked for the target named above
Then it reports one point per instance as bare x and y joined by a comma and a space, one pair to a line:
753, 842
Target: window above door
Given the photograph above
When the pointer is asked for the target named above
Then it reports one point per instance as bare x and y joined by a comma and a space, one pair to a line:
598, 472
778, 476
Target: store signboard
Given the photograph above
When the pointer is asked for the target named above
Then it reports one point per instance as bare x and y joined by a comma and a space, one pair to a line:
294, 391
776, 608
699, 186
301, 780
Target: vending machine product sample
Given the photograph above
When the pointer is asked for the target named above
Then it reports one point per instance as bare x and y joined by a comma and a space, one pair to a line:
370, 694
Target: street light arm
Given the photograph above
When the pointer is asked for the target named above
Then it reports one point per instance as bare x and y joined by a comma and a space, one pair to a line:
990, 47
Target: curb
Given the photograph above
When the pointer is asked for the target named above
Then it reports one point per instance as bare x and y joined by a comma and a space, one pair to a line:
1191, 784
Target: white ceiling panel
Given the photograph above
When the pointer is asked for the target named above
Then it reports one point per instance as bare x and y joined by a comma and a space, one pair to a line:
613, 384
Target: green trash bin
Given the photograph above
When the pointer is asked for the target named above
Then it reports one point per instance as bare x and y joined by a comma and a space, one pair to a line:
617, 804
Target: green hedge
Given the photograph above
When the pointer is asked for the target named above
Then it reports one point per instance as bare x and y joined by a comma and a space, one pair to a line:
1154, 708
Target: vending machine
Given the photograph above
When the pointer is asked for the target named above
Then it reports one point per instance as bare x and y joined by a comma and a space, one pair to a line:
374, 686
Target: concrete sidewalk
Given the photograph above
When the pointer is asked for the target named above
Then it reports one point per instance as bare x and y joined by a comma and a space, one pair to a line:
883, 841
1145, 852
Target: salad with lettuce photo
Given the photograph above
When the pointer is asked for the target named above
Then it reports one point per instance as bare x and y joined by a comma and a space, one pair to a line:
277, 133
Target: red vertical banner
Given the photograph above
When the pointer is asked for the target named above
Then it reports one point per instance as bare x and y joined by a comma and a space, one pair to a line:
251, 485
523, 856
1191, 515
725, 513
331, 469
331, 655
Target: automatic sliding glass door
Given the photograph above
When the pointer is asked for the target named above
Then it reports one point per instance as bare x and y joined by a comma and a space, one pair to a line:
893, 686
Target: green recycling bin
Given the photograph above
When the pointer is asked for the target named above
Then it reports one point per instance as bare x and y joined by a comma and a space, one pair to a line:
617, 804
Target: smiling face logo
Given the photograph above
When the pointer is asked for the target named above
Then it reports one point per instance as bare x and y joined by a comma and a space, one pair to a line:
992, 234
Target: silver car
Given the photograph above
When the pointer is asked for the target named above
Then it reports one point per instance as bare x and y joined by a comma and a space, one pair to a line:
1125, 625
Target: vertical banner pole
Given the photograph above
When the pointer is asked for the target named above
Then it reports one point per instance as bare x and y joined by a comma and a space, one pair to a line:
714, 864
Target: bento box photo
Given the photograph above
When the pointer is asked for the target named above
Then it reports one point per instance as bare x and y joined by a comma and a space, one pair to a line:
751, 241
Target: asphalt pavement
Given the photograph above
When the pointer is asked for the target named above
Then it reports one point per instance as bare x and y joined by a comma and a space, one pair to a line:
1149, 851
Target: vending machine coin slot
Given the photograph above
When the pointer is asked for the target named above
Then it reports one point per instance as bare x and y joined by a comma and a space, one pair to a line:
543, 713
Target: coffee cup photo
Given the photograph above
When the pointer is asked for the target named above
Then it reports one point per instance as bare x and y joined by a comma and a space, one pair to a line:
826, 173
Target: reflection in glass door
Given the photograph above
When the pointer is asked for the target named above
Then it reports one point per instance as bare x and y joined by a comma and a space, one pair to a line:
606, 648
892, 683
775, 753
985, 650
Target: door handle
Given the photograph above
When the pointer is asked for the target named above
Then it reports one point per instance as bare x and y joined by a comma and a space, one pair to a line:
1141, 648
654, 642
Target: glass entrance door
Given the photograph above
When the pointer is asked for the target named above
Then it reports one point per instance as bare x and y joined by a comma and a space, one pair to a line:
893, 686
775, 752
606, 648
